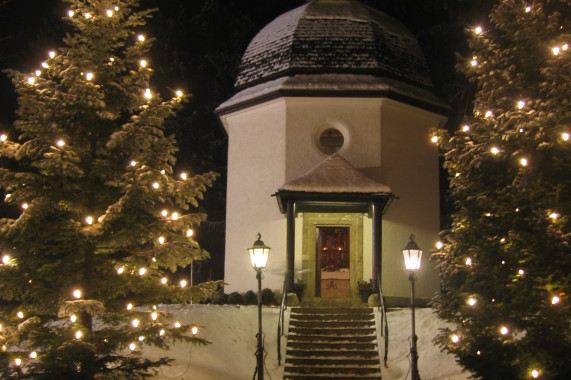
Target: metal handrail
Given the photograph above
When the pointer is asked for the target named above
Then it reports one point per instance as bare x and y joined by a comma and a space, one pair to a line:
384, 322
283, 307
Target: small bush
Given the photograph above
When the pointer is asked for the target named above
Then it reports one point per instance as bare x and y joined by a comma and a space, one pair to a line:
250, 298
235, 298
220, 298
268, 297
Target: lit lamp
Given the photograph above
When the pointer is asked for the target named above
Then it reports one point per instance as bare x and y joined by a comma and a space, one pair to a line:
259, 256
412, 255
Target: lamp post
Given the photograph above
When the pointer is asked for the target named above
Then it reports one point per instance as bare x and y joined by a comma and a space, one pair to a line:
259, 257
412, 255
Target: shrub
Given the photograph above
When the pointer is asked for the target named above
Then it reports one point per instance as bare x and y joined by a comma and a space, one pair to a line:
250, 298
220, 298
235, 298
268, 296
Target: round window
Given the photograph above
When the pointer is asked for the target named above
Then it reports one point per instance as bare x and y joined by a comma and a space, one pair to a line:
330, 141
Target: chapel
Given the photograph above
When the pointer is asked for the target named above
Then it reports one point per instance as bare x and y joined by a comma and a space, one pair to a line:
330, 156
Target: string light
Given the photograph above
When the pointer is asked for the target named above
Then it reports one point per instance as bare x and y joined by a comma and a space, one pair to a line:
523, 161
154, 315
162, 332
555, 300
163, 171
38, 73
189, 233
177, 325
439, 245
564, 136
183, 176
132, 346
77, 293
89, 220
60, 143
504, 330
5, 259
33, 355
556, 50
554, 216
52, 54
478, 30
20, 315
534, 373
488, 114
142, 271
141, 338
3, 137
434, 139
495, 150
120, 270
564, 47
148, 94
182, 283
7, 196
111, 59
521, 272
161, 240
73, 318
89, 75
179, 93
87, 15
465, 128
109, 13
194, 330
164, 213
135, 323
472, 301
520, 104
155, 185
31, 80
474, 62
45, 65
164, 280
528, 9
70, 13
78, 334
141, 38
455, 338
133, 163
174, 216
129, 306
143, 63
18, 362
457, 175
469, 261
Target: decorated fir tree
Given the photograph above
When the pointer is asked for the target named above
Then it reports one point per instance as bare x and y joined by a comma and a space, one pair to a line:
102, 222
505, 262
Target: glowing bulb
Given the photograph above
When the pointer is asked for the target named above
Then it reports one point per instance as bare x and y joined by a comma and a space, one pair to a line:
148, 94
457, 175
78, 334
164, 280
488, 113
133, 163
520, 104
18, 362
164, 212
52, 54
469, 261
182, 283
70, 13
478, 352
495, 150
143, 63
31, 80
478, 30
194, 330
474, 62
534, 373
556, 50
3, 137
111, 59
179, 93
155, 185
154, 315
521, 272
177, 325
116, 8
45, 65
89, 75
189, 233
120, 270
33, 354
20, 314
132, 346
554, 215
60, 143
564, 136
141, 38
38, 73
162, 332
555, 300
87, 15
142, 271
89, 220
129, 306
174, 216
455, 338
504, 330
135, 322
77, 293
73, 318
183, 176
439, 245
5, 259
434, 139
163, 171
528, 9
7, 196
465, 128
564, 47
109, 13
161, 240
472, 301
523, 161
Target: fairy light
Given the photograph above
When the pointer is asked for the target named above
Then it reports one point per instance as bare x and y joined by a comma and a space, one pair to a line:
555, 300
556, 50
504, 330
189, 233
7, 196
3, 137
554, 216
141, 38
116, 8
31, 80
89, 75
534, 373
455, 338
73, 318
439, 245
194, 330
25, 206
494, 150
52, 54
120, 270
478, 30
465, 128
20, 314
521, 104
164, 280
434, 139
474, 62
177, 325
38, 73
564, 136
183, 176
78, 334
457, 175
528, 9
468, 261
174, 216
109, 13
523, 161
135, 322
164, 213
89, 220
132, 346
33, 355
45, 65
179, 93
564, 47
141, 338
163, 171
182, 283
143, 63
129, 306
5, 259
70, 13
111, 59
154, 315
503, 262
155, 185
77, 293
521, 272
162, 332
488, 114
87, 15
18, 362
148, 94
133, 163
142, 271
161, 240
472, 301
60, 143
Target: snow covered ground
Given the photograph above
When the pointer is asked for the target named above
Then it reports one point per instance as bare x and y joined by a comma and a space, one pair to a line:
232, 331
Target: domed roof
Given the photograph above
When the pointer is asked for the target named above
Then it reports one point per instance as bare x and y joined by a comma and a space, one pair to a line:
334, 37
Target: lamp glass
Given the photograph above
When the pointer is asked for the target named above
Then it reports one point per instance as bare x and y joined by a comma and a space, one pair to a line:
412, 258
259, 257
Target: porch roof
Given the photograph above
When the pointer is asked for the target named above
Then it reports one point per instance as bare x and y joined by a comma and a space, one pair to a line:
332, 185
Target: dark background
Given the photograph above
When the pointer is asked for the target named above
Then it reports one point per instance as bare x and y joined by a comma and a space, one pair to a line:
198, 47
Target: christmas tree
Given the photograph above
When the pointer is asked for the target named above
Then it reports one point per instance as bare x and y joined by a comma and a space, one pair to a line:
102, 222
505, 262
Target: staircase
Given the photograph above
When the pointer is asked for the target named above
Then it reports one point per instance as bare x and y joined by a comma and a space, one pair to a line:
332, 343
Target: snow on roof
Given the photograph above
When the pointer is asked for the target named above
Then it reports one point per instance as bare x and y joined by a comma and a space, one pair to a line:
342, 36
335, 175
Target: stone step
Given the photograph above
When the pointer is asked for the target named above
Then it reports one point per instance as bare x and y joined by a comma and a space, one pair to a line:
332, 370
331, 310
331, 332
331, 317
296, 376
317, 346
331, 324
334, 362
330, 338
331, 353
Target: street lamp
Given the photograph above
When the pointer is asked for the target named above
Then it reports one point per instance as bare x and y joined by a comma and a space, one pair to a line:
259, 257
412, 255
